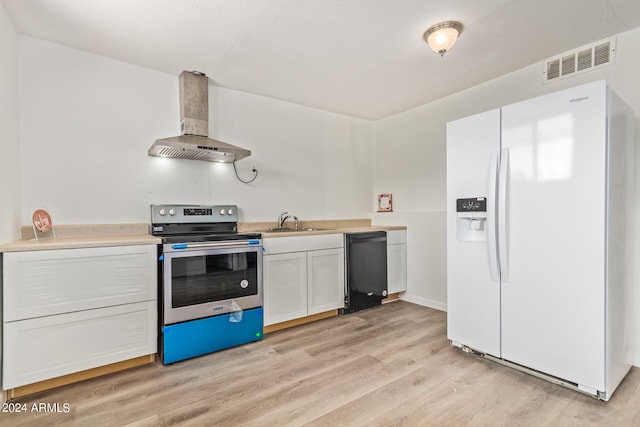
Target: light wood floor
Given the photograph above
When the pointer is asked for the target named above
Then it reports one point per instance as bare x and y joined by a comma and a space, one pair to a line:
387, 366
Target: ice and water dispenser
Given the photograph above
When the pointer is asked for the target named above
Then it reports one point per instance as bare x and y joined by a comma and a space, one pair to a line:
472, 219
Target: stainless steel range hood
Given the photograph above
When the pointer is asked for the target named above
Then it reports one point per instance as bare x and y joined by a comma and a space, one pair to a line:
194, 142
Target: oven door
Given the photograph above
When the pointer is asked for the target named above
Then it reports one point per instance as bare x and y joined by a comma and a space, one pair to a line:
210, 279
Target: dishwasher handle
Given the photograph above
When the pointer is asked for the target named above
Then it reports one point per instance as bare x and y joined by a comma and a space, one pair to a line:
368, 237
369, 240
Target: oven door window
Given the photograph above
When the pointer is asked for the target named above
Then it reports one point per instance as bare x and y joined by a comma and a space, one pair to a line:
208, 278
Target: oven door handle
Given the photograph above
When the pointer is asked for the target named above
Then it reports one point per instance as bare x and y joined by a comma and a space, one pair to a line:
252, 242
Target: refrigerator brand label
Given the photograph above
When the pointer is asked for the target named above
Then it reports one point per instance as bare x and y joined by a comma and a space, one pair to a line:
582, 98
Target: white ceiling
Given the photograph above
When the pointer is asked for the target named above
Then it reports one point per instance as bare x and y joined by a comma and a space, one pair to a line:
363, 58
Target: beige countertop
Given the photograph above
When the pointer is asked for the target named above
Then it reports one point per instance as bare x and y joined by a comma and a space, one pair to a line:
84, 236
100, 235
323, 226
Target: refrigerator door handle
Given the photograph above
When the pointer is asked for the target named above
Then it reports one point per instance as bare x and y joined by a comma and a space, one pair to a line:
503, 216
492, 242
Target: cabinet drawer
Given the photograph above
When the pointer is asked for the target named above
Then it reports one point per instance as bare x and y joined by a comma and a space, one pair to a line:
396, 237
49, 347
43, 283
278, 245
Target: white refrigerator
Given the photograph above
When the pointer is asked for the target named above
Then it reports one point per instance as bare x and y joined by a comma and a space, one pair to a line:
539, 229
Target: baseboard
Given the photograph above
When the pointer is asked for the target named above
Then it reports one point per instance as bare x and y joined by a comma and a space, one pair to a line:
78, 376
391, 298
301, 321
437, 305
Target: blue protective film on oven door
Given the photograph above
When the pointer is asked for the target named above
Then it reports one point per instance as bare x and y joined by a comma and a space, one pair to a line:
197, 337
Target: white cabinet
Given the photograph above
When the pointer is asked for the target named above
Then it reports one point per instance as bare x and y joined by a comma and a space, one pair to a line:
325, 278
69, 310
396, 261
43, 283
285, 286
303, 275
48, 347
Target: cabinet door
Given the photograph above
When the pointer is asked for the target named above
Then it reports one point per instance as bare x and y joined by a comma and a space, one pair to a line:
285, 287
396, 268
326, 280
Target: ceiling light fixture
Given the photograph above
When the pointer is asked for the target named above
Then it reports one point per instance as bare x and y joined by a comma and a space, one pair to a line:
441, 37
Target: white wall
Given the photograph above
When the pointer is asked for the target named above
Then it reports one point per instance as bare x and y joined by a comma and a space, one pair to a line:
9, 146
417, 179
87, 121
426, 260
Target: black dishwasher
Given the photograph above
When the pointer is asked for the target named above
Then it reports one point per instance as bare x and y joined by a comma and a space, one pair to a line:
365, 270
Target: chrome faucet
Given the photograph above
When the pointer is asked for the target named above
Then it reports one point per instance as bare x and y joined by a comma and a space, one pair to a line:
282, 218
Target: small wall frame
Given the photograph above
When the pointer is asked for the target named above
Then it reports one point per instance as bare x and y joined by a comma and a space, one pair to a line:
384, 203
43, 225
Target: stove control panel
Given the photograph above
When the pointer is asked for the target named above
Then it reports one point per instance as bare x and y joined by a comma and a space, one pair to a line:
183, 214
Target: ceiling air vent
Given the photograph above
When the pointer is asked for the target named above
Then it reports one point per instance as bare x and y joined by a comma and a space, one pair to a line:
583, 59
